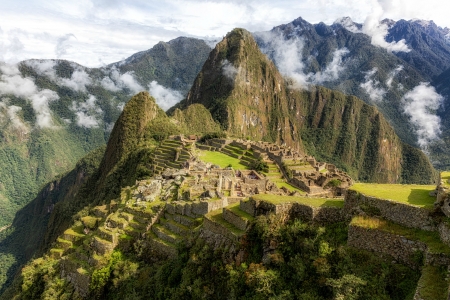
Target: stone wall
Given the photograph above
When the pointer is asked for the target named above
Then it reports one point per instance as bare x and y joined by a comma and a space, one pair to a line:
294, 210
196, 208
222, 232
403, 214
395, 246
248, 206
234, 219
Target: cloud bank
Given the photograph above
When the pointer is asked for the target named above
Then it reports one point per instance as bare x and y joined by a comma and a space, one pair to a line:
287, 55
165, 97
377, 31
372, 86
12, 83
87, 113
420, 104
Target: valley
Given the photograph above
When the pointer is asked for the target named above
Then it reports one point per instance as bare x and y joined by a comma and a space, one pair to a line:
304, 162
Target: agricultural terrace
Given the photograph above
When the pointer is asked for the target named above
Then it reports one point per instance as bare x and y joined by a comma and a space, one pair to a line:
445, 177
311, 201
431, 239
413, 194
220, 159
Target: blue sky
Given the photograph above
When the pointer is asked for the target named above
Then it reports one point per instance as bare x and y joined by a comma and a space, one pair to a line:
97, 32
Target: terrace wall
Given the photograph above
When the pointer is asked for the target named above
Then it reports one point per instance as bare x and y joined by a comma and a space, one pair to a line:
403, 214
398, 247
294, 211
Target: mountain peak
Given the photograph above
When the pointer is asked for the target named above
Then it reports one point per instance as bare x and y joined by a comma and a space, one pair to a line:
244, 91
129, 128
348, 24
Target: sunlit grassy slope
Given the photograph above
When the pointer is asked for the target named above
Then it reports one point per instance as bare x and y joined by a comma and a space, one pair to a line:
220, 159
413, 194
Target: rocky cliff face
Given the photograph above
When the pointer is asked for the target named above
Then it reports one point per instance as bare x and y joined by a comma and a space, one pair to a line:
245, 92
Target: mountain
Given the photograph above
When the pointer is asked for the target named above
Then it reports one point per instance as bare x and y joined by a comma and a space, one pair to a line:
54, 112
238, 90
430, 46
173, 64
342, 57
249, 98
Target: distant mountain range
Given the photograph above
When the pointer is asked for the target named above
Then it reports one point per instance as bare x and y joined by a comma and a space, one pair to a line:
53, 112
407, 86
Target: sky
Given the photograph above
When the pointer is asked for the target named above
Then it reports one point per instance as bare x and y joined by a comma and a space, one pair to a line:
98, 32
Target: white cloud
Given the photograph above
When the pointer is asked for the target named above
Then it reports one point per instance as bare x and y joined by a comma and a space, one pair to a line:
8, 115
332, 70
165, 97
116, 81
392, 74
78, 81
107, 33
63, 44
87, 113
287, 55
420, 104
229, 70
372, 86
378, 31
12, 83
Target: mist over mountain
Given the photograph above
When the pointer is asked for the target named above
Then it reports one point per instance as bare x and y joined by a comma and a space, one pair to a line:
347, 56
298, 85
54, 112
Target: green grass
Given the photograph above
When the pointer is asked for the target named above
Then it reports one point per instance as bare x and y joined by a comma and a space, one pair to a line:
417, 195
216, 216
237, 211
90, 221
432, 239
445, 176
311, 201
70, 231
221, 159
281, 183
432, 283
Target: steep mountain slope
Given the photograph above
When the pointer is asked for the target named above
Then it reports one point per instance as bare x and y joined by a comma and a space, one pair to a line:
53, 112
342, 57
247, 95
173, 64
244, 92
430, 48
96, 179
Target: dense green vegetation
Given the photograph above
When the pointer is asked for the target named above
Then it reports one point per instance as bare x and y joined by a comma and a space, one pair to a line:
34, 225
418, 195
310, 262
